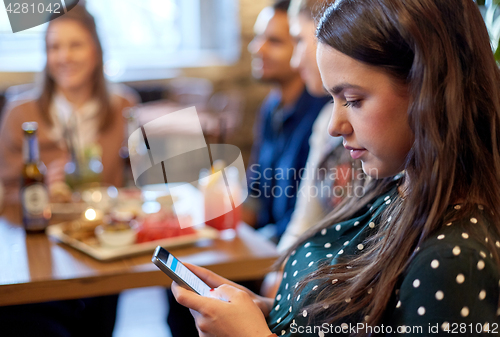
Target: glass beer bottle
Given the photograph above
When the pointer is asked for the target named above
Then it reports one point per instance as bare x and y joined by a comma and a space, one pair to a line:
34, 192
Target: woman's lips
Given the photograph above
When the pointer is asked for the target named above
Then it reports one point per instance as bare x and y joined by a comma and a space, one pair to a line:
356, 153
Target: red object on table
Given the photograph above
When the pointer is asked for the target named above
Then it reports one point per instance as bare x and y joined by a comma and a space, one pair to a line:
161, 225
226, 221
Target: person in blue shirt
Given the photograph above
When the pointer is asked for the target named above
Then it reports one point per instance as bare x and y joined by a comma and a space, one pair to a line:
283, 127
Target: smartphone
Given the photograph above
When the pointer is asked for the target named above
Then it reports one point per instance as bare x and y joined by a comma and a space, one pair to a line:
179, 272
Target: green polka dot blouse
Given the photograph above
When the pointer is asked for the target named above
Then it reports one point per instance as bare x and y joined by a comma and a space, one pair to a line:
451, 287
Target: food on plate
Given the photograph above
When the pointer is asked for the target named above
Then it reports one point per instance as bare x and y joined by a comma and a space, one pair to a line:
118, 230
80, 230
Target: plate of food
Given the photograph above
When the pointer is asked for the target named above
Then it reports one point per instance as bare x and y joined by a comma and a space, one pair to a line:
66, 202
122, 234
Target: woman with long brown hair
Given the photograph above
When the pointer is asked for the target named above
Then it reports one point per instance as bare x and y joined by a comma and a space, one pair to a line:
75, 108
73, 105
416, 99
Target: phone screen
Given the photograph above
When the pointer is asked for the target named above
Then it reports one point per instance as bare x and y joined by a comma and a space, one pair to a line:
182, 272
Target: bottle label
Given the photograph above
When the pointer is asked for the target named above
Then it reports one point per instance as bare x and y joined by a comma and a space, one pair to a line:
30, 149
35, 199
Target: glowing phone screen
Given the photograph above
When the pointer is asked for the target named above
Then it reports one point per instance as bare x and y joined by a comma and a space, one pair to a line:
187, 275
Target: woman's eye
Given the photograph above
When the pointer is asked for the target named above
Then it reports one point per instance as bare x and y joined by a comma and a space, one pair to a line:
353, 104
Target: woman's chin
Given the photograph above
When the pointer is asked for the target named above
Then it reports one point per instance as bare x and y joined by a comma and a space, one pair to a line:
70, 84
373, 171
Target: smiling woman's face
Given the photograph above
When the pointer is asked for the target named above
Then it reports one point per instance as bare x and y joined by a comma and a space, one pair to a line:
370, 112
71, 54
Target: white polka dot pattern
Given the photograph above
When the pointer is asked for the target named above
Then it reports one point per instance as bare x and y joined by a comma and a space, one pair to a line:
434, 287
439, 295
482, 295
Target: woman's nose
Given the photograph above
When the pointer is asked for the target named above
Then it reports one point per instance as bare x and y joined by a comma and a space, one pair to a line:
63, 54
339, 122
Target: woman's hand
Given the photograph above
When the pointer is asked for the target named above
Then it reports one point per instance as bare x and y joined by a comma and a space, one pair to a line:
214, 281
59, 191
55, 171
233, 310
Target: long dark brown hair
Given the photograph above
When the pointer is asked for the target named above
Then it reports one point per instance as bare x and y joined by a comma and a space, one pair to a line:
99, 91
440, 49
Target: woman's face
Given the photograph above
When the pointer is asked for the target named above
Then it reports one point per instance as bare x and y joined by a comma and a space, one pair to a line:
302, 30
71, 54
370, 112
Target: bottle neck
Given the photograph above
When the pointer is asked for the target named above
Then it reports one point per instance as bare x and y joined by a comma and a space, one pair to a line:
31, 153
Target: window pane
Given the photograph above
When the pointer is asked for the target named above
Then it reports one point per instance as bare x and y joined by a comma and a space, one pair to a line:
141, 35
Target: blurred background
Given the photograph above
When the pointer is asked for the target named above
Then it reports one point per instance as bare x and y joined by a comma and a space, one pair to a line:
191, 51
152, 46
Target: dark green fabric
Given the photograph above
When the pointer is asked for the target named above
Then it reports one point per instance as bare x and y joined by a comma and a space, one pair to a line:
443, 283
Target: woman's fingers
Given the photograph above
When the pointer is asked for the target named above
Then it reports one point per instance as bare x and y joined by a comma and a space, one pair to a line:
55, 171
215, 281
231, 312
229, 293
212, 279
188, 298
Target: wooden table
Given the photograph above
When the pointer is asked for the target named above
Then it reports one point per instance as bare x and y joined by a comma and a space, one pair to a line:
35, 268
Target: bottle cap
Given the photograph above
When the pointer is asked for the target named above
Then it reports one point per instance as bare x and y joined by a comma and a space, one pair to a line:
30, 127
